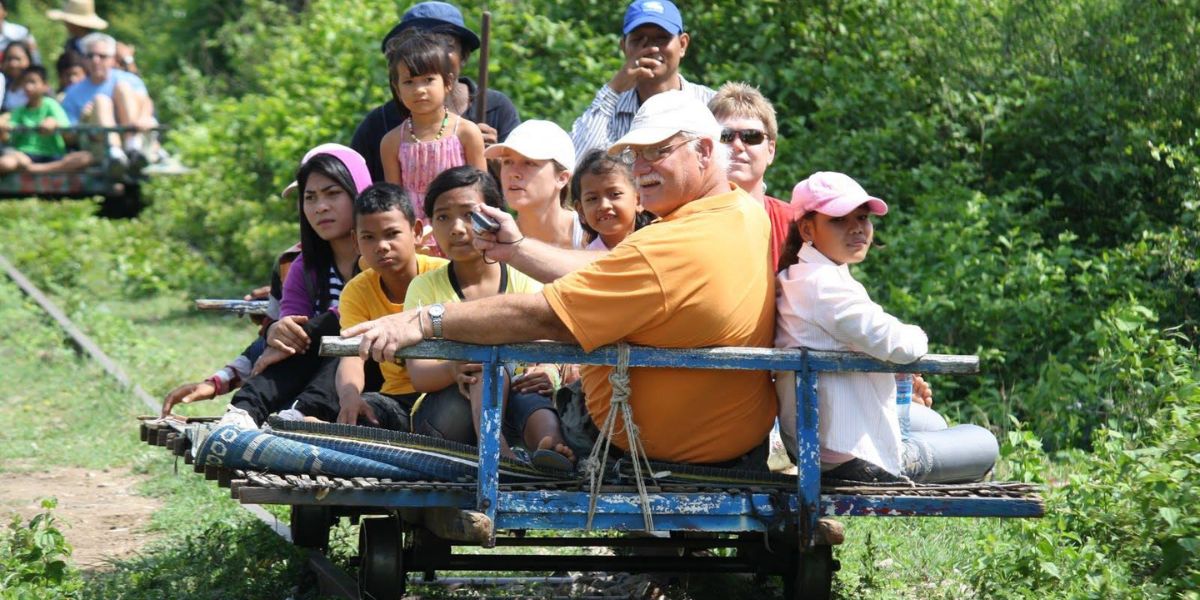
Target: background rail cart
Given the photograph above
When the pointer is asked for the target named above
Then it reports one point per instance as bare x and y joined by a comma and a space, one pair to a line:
120, 186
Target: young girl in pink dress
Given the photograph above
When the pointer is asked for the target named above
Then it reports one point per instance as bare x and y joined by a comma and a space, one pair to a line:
432, 139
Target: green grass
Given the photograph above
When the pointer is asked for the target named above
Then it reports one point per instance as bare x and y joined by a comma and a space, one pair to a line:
59, 409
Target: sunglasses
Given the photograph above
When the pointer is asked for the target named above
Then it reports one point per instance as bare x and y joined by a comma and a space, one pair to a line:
750, 137
95, 55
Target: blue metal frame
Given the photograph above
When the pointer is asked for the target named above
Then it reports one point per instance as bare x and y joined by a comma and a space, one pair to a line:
713, 512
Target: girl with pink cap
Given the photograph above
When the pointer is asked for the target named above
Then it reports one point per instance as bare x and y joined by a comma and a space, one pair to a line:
821, 307
330, 176
289, 374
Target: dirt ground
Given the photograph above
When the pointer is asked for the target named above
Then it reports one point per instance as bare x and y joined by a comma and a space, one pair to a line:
98, 511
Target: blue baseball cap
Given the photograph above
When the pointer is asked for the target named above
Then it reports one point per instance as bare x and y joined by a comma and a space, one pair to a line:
435, 16
663, 13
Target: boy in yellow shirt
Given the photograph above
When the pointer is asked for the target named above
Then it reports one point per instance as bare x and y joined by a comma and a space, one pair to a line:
385, 235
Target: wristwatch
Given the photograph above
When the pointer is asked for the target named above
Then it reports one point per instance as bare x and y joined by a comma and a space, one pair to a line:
436, 311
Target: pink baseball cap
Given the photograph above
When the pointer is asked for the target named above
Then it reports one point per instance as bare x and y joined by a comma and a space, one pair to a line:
833, 194
353, 161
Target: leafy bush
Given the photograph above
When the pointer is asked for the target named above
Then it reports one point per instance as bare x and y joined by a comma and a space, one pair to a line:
68, 249
1124, 524
33, 558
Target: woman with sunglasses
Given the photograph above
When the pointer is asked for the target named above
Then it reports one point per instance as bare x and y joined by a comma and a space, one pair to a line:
749, 129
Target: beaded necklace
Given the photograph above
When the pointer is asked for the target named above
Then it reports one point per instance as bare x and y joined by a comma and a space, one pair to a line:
412, 129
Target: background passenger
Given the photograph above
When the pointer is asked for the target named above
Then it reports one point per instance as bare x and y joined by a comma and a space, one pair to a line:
821, 307
606, 200
80, 19
237, 371
654, 43
11, 32
110, 96
43, 151
17, 58
445, 23
749, 130
536, 162
71, 69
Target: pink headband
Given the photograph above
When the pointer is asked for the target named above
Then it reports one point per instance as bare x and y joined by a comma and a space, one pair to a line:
353, 161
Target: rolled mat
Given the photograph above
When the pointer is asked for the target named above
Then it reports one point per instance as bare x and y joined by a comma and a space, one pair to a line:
441, 459
232, 447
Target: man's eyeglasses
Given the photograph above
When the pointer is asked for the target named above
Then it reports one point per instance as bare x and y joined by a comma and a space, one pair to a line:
652, 154
95, 55
749, 137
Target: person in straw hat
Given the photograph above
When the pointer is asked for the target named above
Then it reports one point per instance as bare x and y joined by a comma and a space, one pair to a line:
80, 19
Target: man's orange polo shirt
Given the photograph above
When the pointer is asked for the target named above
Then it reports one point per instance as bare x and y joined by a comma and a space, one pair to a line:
694, 279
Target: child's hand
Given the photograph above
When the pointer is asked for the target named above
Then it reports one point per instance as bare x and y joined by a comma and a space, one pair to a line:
258, 293
535, 379
287, 335
47, 126
922, 393
354, 408
269, 357
188, 393
467, 375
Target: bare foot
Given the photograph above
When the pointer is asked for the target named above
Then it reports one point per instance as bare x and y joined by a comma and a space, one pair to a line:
547, 443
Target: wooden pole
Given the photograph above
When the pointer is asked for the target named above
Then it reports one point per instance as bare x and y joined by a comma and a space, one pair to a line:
481, 92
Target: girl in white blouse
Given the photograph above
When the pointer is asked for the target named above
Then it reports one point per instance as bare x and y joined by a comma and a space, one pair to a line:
820, 306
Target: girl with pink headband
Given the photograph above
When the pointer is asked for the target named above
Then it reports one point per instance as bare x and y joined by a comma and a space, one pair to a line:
289, 374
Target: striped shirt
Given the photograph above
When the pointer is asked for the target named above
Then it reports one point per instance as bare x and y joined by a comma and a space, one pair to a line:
298, 300
611, 115
820, 306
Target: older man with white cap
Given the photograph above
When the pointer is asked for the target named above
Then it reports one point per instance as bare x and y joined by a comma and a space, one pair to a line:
696, 278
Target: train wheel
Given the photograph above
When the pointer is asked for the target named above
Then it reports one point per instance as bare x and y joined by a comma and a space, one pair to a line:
381, 572
310, 526
813, 577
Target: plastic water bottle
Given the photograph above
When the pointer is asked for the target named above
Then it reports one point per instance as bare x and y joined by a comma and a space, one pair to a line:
903, 401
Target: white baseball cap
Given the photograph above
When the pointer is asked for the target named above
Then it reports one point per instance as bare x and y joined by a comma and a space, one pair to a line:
539, 140
666, 114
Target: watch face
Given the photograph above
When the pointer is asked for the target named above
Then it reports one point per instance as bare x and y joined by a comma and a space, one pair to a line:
437, 310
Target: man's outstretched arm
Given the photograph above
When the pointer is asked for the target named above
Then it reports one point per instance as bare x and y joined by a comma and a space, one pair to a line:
496, 320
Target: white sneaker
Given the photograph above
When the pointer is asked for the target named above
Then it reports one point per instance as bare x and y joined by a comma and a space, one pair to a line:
238, 418
290, 414
118, 162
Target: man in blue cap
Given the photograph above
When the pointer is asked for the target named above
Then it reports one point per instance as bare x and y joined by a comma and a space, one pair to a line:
445, 21
653, 42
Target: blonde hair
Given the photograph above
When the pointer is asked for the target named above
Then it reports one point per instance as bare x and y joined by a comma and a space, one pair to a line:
737, 99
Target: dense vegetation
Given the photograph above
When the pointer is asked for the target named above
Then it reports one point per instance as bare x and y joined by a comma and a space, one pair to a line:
1042, 160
